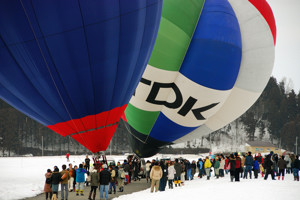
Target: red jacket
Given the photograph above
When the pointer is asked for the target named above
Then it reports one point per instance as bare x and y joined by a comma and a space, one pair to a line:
238, 162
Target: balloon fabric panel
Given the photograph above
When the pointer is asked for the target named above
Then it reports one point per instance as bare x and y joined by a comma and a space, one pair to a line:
74, 65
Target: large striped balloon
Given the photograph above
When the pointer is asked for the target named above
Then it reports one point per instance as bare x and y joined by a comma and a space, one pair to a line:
74, 65
198, 81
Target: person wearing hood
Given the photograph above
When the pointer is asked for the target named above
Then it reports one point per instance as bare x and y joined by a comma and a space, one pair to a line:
80, 172
105, 178
155, 175
95, 178
47, 186
207, 166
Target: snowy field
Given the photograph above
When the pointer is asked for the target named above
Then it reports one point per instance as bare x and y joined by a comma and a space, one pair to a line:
24, 177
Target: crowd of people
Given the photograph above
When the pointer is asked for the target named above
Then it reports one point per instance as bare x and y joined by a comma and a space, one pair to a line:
165, 173
98, 175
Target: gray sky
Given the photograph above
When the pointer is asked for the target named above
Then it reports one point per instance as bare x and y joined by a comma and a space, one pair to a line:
287, 56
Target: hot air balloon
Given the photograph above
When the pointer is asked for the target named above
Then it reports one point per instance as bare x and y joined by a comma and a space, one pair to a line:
74, 65
198, 81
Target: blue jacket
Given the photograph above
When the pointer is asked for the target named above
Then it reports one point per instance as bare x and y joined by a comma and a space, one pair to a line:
256, 165
80, 175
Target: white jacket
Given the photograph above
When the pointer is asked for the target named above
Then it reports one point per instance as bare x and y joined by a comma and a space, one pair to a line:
171, 172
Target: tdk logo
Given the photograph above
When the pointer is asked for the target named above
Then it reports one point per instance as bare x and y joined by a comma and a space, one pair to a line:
186, 106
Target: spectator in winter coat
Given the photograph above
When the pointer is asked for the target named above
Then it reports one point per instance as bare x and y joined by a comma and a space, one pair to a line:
95, 178
207, 166
222, 166
188, 170
193, 168
105, 178
120, 179
71, 180
268, 167
87, 163
126, 170
155, 175
256, 167
177, 167
248, 165
164, 178
200, 168
231, 167
74, 176
65, 176
80, 173
47, 186
296, 167
238, 169
243, 168
148, 163
217, 166
182, 175
55, 179
281, 165
288, 161
171, 175
112, 184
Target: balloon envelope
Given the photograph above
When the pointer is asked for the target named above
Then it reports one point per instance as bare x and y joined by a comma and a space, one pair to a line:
205, 80
73, 65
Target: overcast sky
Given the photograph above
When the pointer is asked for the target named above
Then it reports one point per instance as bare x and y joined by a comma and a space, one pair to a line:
287, 56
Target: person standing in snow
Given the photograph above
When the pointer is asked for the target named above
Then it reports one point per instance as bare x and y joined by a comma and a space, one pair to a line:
268, 167
105, 177
155, 175
95, 178
74, 177
65, 176
231, 167
55, 179
222, 166
148, 164
296, 167
68, 157
177, 167
87, 163
112, 184
248, 165
71, 180
207, 166
163, 180
120, 178
288, 161
256, 167
238, 164
281, 166
47, 186
217, 166
171, 175
80, 173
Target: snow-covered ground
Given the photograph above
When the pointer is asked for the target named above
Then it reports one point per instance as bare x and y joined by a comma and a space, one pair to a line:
24, 177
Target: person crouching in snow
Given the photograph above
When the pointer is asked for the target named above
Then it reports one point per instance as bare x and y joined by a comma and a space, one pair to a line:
155, 175
80, 179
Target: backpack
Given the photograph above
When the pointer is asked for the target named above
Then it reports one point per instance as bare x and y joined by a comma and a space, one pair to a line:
123, 174
48, 180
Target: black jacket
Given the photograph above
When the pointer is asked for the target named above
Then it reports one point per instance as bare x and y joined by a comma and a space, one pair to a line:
55, 178
105, 177
268, 164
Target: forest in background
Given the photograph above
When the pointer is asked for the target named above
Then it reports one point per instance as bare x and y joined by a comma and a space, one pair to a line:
276, 112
